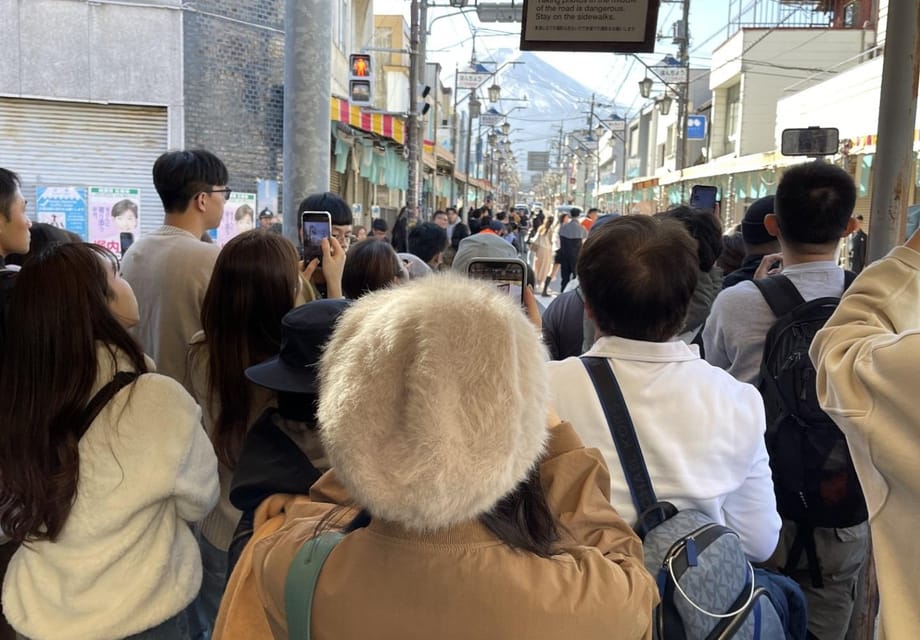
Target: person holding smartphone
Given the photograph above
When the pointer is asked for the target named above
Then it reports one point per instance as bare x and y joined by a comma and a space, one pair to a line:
324, 240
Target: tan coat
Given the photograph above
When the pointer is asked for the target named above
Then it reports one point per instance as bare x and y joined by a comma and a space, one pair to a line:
453, 584
867, 358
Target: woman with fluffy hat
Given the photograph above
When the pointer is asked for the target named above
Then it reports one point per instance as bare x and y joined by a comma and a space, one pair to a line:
464, 516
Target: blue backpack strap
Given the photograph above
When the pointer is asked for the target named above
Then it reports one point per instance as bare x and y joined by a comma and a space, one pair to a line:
623, 432
780, 294
300, 583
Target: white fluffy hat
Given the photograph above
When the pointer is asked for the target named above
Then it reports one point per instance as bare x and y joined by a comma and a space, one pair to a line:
433, 400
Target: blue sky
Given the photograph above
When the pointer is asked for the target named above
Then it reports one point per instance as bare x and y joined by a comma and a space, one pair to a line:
451, 43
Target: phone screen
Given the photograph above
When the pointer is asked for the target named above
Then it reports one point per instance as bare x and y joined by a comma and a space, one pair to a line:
315, 225
703, 197
509, 276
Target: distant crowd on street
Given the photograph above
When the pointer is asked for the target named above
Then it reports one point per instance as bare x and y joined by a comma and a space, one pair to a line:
696, 438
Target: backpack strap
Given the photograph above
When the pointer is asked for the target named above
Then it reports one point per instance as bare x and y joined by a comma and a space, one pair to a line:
780, 294
97, 403
623, 432
300, 584
848, 278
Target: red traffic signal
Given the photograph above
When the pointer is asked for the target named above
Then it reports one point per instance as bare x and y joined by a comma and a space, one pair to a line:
360, 65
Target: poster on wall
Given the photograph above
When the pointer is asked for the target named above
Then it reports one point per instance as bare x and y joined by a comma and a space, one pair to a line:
267, 202
239, 216
62, 207
114, 217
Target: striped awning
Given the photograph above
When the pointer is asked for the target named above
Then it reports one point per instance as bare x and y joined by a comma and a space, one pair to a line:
382, 124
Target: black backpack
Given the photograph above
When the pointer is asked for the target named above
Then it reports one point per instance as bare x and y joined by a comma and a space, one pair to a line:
813, 475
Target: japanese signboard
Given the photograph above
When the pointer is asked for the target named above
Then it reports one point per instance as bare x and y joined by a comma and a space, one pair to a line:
626, 26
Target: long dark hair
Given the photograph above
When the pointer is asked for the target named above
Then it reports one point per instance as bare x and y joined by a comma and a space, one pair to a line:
58, 318
522, 519
253, 285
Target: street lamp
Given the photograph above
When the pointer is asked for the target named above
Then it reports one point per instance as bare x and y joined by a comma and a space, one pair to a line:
506, 127
492, 139
664, 104
475, 107
645, 87
495, 92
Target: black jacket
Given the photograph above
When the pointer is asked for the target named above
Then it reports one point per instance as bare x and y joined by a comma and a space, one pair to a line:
269, 463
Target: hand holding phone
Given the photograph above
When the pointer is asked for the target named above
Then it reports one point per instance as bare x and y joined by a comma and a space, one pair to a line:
703, 197
509, 275
314, 226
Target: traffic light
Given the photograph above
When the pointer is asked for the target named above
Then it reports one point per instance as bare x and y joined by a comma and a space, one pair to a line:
360, 79
424, 105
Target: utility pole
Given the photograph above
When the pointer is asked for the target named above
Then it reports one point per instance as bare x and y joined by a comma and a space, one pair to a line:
308, 27
453, 141
422, 79
684, 57
897, 113
412, 128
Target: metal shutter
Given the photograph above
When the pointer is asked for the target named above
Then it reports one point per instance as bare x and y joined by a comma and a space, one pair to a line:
53, 143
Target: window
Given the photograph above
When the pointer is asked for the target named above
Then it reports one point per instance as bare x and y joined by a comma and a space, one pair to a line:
732, 115
342, 25
669, 141
851, 14
660, 156
634, 141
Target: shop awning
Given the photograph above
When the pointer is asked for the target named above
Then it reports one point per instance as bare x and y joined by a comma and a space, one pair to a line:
388, 126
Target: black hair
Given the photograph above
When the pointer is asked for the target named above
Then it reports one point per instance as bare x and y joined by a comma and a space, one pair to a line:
814, 202
574, 212
179, 175
9, 185
43, 237
426, 240
379, 224
372, 264
732, 252
704, 228
655, 260
331, 202
523, 520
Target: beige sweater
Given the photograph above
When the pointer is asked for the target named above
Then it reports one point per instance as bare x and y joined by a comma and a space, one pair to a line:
219, 525
867, 358
169, 270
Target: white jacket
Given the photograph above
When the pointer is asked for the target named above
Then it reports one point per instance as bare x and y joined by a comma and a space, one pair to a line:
701, 433
126, 559
866, 357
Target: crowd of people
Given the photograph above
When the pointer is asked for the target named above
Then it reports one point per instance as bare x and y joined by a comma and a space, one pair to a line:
193, 432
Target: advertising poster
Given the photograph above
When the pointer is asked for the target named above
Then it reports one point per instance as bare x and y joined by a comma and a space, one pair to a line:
267, 202
62, 207
239, 216
113, 214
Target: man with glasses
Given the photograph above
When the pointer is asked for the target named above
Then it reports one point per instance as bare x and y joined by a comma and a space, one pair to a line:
169, 268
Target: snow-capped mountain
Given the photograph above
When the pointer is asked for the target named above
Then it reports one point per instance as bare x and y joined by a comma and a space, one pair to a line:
554, 100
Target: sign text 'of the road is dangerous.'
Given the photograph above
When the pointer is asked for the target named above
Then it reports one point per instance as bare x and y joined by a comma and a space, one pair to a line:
589, 25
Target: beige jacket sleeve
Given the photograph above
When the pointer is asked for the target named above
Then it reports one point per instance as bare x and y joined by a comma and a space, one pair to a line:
866, 360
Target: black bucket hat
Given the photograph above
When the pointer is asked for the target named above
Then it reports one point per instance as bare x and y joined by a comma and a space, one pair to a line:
305, 331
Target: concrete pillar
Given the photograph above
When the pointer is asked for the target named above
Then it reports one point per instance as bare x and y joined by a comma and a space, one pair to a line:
308, 26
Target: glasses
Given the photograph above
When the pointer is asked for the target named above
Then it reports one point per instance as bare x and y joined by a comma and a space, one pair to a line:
226, 191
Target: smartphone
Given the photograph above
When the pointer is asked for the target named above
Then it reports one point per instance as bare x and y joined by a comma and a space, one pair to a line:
509, 275
811, 141
703, 197
314, 226
127, 239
